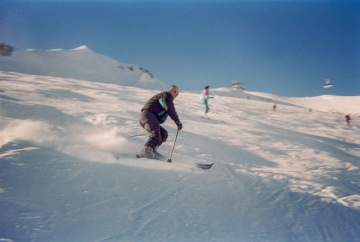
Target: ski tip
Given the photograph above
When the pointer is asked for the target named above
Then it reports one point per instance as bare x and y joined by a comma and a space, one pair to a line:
204, 166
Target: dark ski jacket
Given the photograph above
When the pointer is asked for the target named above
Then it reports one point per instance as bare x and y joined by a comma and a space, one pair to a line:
162, 105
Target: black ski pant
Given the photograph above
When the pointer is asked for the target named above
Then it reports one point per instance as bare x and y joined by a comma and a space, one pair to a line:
157, 134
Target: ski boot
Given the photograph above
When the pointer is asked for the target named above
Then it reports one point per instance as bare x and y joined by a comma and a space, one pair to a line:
150, 153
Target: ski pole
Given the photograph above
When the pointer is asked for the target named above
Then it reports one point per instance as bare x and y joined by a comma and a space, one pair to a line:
132, 136
173, 146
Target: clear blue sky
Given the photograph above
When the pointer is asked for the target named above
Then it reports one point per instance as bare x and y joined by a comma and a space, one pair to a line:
283, 47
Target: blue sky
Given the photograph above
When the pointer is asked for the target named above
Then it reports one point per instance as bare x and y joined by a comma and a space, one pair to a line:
283, 47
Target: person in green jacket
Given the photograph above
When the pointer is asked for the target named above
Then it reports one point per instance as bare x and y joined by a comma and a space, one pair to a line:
205, 96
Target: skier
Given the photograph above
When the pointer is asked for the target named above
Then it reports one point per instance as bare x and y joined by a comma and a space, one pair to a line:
274, 107
348, 120
205, 96
154, 113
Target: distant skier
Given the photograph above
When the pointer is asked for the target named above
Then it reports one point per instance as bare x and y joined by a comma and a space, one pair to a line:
274, 107
205, 96
154, 113
348, 120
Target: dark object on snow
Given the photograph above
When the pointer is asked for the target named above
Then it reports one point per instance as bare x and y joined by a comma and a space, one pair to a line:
6, 49
274, 107
204, 166
348, 120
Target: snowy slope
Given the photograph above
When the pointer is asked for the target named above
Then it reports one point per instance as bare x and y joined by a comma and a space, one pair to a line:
325, 103
289, 175
79, 63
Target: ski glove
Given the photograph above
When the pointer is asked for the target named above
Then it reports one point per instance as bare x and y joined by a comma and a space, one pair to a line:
179, 124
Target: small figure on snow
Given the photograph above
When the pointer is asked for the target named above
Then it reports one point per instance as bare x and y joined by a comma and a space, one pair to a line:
348, 120
155, 112
205, 96
274, 107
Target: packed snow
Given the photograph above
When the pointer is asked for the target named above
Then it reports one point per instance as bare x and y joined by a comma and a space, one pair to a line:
68, 170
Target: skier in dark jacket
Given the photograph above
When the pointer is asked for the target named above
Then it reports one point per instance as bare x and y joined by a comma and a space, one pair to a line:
348, 120
154, 113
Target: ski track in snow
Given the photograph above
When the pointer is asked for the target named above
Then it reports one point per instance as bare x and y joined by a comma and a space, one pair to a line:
263, 160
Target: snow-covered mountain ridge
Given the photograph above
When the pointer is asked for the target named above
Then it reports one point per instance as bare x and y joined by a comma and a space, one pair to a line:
84, 64
79, 63
326, 103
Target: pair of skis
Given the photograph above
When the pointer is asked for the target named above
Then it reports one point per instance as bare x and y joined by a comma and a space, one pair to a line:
204, 166
199, 165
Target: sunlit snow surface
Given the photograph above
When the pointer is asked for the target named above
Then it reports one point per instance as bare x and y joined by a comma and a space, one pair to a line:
67, 172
